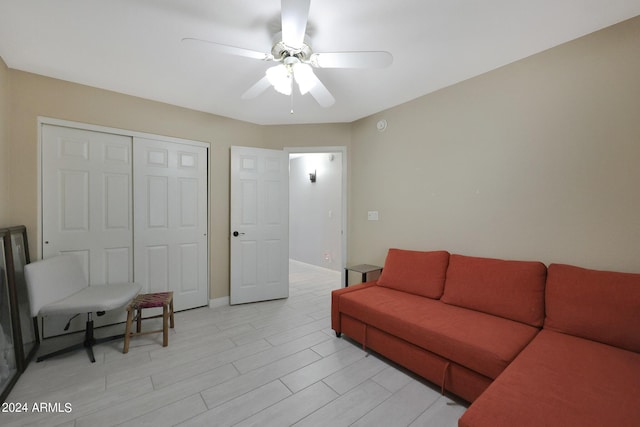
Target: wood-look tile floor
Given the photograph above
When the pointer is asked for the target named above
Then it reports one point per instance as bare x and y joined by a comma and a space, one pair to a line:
275, 363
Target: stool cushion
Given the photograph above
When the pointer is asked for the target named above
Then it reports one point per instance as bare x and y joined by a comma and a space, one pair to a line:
157, 299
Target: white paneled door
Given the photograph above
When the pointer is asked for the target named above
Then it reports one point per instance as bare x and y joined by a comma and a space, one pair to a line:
170, 192
259, 225
132, 209
86, 206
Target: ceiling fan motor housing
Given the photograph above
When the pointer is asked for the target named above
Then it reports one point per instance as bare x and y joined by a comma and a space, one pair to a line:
280, 51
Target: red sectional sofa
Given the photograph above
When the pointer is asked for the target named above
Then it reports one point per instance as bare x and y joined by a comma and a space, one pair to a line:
529, 346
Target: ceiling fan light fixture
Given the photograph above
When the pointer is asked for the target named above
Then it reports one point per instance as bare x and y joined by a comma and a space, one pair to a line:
304, 76
292, 50
280, 78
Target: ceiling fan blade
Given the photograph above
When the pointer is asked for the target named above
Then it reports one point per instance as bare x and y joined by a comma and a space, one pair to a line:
295, 14
321, 94
374, 59
255, 90
231, 50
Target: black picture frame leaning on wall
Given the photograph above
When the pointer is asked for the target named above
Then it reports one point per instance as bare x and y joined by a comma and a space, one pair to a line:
19, 339
28, 324
9, 370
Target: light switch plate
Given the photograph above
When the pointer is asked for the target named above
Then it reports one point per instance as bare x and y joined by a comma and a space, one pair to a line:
372, 215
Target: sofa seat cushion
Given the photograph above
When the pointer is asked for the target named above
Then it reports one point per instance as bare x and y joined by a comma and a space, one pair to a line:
416, 272
483, 343
510, 289
562, 380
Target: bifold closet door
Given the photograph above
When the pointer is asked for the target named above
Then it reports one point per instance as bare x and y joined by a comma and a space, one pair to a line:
170, 220
132, 209
87, 207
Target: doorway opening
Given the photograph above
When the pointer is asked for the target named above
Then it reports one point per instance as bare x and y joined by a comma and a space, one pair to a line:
317, 208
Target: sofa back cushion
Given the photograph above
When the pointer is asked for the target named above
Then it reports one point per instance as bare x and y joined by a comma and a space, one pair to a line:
416, 272
602, 306
509, 289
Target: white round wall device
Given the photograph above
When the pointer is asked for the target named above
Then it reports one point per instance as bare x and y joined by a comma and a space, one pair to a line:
381, 125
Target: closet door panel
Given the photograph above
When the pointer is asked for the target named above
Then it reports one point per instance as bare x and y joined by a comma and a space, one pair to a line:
117, 202
171, 250
87, 207
156, 274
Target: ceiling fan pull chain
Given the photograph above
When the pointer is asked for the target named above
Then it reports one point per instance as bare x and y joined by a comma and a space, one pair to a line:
291, 103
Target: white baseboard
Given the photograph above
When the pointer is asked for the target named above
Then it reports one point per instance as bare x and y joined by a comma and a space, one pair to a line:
219, 302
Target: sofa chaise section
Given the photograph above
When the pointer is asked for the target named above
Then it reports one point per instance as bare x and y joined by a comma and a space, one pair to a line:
583, 369
562, 380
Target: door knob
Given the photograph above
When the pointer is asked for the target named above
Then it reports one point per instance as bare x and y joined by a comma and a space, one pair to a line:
236, 234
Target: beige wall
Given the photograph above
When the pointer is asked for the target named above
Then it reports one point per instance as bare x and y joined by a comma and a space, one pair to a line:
537, 160
4, 144
312, 135
40, 96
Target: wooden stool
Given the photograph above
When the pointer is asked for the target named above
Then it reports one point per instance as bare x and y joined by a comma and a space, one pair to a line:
158, 299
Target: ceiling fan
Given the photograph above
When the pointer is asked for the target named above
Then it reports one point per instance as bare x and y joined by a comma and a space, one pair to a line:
296, 59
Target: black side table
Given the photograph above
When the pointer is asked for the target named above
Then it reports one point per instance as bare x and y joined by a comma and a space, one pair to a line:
364, 269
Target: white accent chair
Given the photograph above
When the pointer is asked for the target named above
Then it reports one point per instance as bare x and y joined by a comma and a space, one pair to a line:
57, 286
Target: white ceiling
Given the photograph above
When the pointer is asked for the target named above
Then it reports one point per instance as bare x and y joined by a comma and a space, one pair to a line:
134, 47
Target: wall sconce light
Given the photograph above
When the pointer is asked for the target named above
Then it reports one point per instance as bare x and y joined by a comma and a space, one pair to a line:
312, 176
